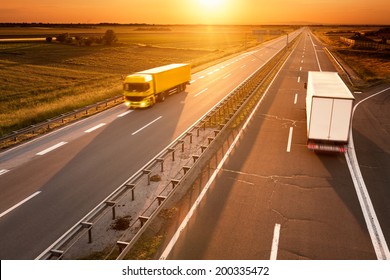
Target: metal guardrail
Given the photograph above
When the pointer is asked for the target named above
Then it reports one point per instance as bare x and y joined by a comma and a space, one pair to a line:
28, 132
211, 126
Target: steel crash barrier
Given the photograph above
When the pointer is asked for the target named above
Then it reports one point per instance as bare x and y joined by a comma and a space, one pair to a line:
40, 128
144, 195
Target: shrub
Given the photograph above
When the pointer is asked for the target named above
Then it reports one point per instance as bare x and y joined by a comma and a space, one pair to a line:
62, 37
109, 37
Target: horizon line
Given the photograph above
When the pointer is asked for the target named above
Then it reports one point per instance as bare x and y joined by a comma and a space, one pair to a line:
195, 24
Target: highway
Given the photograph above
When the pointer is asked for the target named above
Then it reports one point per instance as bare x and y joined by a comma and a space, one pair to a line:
48, 184
274, 199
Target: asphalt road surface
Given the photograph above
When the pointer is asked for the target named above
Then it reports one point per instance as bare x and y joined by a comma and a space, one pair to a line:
275, 199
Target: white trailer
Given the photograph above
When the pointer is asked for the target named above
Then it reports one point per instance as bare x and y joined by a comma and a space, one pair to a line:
329, 105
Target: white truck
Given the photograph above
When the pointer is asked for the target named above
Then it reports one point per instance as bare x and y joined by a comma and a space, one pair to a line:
329, 105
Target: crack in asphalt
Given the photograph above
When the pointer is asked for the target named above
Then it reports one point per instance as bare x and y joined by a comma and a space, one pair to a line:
286, 121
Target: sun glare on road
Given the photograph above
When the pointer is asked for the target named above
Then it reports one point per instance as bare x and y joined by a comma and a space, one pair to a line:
211, 4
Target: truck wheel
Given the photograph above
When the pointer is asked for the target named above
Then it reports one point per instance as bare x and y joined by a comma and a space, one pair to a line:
181, 88
161, 96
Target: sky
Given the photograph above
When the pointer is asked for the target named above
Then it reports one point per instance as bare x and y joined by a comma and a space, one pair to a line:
197, 11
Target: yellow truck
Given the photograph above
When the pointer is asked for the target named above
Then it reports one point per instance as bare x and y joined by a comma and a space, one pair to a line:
145, 88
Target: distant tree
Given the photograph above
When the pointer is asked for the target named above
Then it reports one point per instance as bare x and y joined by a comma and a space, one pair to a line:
109, 37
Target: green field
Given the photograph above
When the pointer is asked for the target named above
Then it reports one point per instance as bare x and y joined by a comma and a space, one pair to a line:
42, 80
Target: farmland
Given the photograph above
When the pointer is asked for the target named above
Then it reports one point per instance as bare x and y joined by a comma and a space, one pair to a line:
367, 66
40, 80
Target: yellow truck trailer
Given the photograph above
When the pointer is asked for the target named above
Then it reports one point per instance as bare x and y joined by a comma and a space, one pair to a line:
145, 88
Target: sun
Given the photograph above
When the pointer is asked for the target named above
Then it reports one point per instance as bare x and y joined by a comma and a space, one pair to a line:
211, 4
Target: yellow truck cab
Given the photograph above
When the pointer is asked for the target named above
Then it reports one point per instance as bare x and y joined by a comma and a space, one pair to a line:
145, 88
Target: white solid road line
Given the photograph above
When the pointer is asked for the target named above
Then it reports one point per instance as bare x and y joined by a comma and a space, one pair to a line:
124, 114
226, 76
145, 126
377, 238
199, 93
315, 52
95, 127
3, 171
20, 203
275, 243
51, 148
289, 139
374, 229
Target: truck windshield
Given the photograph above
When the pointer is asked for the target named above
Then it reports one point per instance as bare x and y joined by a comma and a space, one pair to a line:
139, 87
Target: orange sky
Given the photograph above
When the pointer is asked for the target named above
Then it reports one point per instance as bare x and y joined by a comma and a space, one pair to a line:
197, 11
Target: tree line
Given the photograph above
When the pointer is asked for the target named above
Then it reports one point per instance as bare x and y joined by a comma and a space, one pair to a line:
107, 39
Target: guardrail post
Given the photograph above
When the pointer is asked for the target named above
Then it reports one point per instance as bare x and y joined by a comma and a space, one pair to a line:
161, 199
147, 172
143, 220
171, 150
161, 160
112, 203
195, 158
186, 169
88, 225
190, 134
182, 145
122, 245
203, 148
57, 253
174, 183
131, 187
210, 139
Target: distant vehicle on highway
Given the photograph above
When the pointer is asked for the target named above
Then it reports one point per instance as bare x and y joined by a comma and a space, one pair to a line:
329, 105
144, 89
